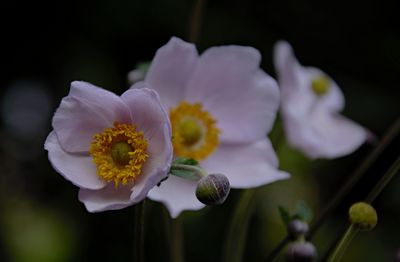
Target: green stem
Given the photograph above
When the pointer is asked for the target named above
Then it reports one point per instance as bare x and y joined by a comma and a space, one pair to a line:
176, 240
138, 255
195, 20
344, 243
384, 181
236, 237
355, 177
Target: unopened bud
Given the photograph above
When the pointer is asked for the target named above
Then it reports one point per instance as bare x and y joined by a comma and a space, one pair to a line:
297, 228
213, 189
301, 252
363, 215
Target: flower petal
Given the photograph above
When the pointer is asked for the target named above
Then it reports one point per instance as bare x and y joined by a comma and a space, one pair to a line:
108, 198
171, 69
150, 117
77, 168
246, 165
295, 80
87, 110
177, 194
230, 85
336, 135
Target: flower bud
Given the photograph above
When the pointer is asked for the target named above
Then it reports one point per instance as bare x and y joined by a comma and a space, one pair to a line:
363, 215
301, 252
213, 189
297, 228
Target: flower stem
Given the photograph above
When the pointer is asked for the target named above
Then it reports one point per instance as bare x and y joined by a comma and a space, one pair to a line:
174, 232
383, 181
195, 20
344, 243
138, 255
236, 237
355, 177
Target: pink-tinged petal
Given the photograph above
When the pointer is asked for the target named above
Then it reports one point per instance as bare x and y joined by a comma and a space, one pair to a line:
77, 168
87, 110
246, 165
171, 69
150, 117
242, 98
108, 198
336, 135
298, 98
177, 194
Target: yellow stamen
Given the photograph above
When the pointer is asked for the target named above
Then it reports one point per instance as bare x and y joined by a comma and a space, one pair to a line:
320, 85
119, 153
194, 131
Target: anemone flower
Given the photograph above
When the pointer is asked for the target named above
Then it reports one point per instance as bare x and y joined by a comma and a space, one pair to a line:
115, 149
311, 102
221, 107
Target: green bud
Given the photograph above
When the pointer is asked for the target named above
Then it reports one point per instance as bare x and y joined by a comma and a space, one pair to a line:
213, 189
363, 215
301, 252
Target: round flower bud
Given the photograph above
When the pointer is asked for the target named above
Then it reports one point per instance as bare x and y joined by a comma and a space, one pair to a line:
363, 215
297, 228
213, 189
301, 252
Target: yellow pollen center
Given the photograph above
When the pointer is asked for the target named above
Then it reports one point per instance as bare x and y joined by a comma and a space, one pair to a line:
194, 131
320, 85
119, 153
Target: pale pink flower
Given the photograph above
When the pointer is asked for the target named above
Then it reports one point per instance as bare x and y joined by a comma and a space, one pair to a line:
115, 149
222, 105
311, 103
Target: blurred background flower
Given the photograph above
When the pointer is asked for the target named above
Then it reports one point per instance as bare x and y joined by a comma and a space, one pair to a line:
51, 44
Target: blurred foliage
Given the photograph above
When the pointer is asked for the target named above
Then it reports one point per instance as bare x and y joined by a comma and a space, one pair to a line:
53, 43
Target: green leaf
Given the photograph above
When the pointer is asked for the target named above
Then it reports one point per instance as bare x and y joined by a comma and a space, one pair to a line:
303, 212
285, 215
186, 161
184, 174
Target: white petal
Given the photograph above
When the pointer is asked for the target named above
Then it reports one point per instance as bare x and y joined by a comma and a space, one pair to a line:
171, 69
177, 194
149, 116
87, 110
246, 165
77, 168
108, 198
230, 85
337, 136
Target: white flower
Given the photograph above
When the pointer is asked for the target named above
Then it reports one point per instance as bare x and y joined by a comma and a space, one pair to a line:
115, 149
311, 102
222, 105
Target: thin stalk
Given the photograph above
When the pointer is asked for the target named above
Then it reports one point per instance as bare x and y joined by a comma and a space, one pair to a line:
350, 233
393, 170
355, 177
236, 237
195, 20
138, 255
176, 238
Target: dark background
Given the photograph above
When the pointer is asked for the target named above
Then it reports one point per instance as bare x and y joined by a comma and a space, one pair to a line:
45, 46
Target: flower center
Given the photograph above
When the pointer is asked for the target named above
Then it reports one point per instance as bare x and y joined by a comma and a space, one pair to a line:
320, 85
119, 153
194, 131
190, 131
